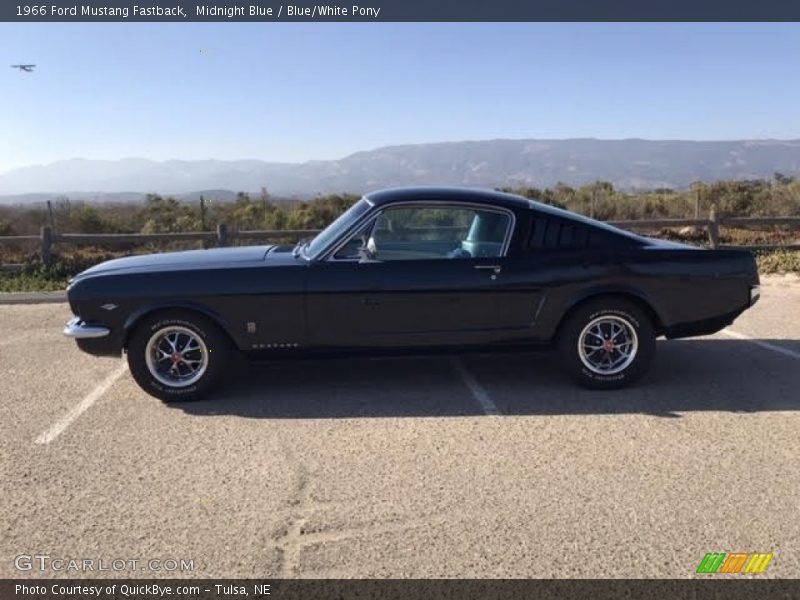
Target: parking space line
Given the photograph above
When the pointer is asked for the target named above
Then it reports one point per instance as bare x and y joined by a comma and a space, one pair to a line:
478, 391
90, 398
762, 344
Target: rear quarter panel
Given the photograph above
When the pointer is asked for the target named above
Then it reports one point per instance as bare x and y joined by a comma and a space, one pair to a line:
681, 286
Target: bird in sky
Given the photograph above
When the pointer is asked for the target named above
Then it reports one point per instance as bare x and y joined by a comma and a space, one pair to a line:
25, 68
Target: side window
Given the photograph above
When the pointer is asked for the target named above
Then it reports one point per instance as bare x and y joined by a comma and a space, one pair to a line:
436, 232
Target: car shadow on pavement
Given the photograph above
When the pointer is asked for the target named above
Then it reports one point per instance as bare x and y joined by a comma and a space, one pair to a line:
687, 375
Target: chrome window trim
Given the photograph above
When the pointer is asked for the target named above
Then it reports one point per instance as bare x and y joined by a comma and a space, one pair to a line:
327, 255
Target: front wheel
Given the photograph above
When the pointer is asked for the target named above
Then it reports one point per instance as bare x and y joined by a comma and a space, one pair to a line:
607, 343
177, 355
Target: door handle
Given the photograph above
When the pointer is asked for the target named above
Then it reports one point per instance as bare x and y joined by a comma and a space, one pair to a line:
495, 268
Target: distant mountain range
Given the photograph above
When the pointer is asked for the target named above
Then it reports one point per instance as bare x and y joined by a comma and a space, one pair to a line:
629, 164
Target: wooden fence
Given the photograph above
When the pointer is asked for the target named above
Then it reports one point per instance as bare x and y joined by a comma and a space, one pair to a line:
224, 237
713, 224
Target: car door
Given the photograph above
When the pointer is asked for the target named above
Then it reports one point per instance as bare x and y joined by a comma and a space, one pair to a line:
418, 274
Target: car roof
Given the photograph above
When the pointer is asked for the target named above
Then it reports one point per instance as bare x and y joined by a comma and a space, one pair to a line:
477, 195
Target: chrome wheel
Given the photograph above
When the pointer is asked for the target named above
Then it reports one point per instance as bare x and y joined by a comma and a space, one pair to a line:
176, 356
608, 345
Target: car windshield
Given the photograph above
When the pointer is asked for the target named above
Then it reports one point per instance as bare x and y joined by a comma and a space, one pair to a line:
332, 232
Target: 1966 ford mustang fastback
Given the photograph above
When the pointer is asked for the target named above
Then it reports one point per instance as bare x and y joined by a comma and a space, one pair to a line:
412, 269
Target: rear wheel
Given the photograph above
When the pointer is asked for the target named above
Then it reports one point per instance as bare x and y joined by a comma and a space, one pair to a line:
607, 343
177, 355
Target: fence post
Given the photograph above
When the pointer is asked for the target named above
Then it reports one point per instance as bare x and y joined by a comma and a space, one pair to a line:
697, 202
47, 244
713, 227
222, 235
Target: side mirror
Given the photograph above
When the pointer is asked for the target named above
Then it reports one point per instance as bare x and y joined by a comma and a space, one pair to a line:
365, 256
368, 252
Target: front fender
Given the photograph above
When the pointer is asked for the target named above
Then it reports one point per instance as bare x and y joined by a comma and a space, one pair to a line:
142, 311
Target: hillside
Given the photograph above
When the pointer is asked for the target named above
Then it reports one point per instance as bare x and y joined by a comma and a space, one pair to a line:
628, 164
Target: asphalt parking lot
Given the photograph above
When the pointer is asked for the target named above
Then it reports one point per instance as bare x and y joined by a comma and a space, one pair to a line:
474, 466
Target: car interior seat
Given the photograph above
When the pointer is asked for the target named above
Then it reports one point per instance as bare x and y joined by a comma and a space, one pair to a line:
486, 234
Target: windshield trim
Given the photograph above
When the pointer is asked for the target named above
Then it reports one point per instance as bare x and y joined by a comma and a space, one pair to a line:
323, 251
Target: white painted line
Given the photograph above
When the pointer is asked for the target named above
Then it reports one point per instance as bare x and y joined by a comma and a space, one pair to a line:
762, 344
90, 398
481, 395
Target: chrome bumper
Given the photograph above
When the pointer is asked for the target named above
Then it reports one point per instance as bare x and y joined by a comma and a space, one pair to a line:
755, 294
79, 330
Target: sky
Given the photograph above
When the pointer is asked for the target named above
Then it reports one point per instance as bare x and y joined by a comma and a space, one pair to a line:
291, 92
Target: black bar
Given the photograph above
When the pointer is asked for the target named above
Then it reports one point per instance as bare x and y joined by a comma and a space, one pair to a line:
402, 10
709, 587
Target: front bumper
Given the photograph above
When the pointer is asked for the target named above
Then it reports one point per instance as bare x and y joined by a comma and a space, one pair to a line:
80, 330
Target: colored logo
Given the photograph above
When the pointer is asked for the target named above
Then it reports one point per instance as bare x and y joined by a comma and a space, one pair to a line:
734, 562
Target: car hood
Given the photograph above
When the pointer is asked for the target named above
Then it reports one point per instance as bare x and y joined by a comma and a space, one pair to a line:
216, 258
